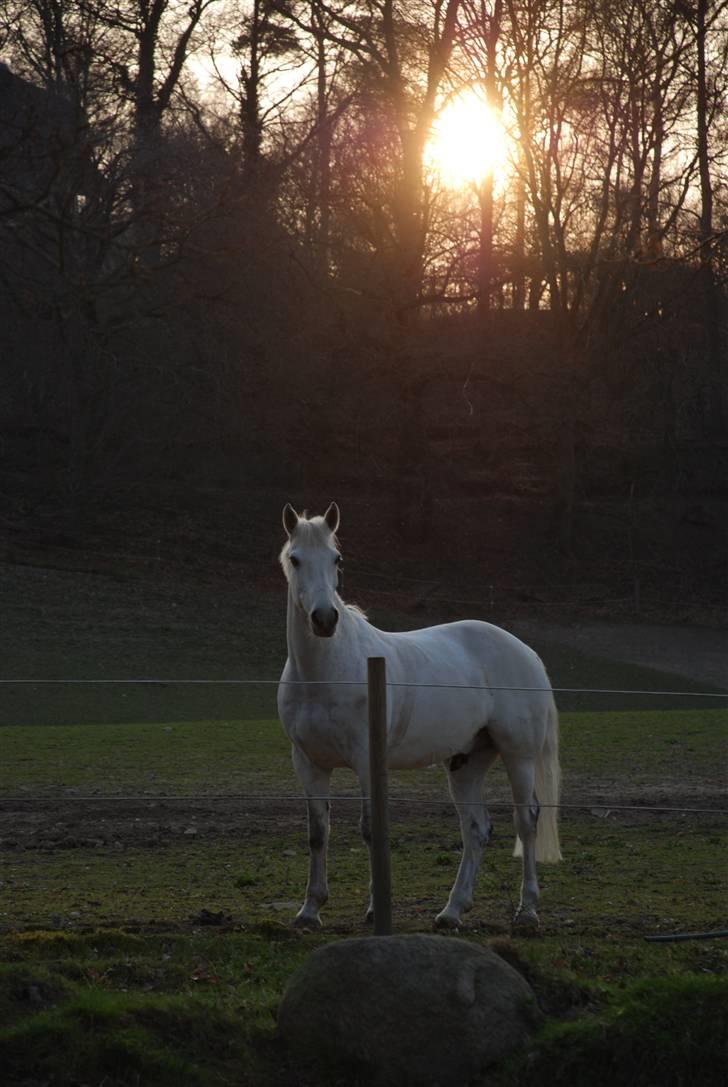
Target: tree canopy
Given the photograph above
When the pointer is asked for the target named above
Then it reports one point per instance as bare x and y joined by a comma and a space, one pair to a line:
202, 201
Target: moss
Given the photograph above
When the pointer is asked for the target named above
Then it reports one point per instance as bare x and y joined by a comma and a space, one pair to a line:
26, 990
125, 1038
197, 1007
658, 1032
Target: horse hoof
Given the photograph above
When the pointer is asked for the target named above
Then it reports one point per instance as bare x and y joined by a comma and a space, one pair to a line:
446, 920
525, 920
306, 921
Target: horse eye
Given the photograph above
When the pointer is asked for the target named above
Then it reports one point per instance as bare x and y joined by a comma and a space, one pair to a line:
294, 561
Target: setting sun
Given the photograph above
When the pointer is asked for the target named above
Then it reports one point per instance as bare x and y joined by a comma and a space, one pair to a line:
467, 143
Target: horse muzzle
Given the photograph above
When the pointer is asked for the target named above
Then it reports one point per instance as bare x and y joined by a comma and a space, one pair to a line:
323, 622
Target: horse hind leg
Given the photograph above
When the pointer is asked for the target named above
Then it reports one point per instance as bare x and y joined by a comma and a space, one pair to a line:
521, 773
465, 776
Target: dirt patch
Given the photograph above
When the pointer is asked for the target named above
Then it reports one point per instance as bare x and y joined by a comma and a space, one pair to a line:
697, 653
58, 824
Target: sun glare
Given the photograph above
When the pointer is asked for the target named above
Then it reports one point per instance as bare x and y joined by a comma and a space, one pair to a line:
467, 143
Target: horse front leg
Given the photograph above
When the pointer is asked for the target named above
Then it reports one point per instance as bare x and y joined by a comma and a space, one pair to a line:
315, 782
365, 827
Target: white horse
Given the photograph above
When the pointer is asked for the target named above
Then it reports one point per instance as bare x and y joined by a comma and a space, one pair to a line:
495, 699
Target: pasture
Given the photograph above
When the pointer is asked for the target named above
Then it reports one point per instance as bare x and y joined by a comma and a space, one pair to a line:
153, 854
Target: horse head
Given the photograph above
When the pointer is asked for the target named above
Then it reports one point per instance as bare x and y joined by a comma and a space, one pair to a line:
311, 561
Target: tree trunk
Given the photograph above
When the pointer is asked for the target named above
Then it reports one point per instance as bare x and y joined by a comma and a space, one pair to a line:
653, 244
519, 246
710, 293
147, 134
485, 193
250, 106
322, 180
706, 186
409, 225
485, 247
414, 124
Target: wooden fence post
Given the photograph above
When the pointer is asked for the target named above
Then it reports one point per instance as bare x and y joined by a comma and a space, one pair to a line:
381, 874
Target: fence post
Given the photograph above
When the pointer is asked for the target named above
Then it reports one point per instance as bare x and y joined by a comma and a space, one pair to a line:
381, 874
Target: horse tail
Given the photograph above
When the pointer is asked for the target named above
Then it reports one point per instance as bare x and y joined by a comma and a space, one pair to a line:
548, 784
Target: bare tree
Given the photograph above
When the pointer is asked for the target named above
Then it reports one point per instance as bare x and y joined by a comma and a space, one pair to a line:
707, 19
401, 52
149, 42
478, 40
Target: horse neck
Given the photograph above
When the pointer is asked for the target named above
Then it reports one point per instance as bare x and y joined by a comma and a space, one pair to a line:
313, 657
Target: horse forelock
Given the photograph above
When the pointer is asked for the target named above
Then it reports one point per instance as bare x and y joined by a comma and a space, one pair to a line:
312, 531
309, 532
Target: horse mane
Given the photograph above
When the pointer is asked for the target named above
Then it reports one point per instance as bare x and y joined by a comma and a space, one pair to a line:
356, 610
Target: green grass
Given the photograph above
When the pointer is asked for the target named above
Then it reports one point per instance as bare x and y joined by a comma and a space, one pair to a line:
659, 1031
114, 704
221, 756
643, 748
124, 1009
648, 747
257, 875
259, 655
198, 1008
147, 942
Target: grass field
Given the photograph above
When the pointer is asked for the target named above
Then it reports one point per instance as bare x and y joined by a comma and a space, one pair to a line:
145, 939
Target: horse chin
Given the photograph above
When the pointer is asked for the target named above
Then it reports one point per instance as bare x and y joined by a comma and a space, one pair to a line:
323, 632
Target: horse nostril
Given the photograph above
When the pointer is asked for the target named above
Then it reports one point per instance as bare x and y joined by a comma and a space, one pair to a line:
324, 620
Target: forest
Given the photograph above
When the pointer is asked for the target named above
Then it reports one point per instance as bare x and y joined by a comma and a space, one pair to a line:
422, 251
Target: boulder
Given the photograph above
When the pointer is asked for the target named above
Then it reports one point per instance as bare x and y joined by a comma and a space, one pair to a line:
421, 1010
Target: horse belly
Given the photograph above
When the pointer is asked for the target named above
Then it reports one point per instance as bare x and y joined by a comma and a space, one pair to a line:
436, 728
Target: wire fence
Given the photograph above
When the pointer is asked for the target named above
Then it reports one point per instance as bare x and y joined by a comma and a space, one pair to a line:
599, 805
176, 682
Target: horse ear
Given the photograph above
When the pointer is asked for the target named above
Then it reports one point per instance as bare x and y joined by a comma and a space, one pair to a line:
290, 518
332, 517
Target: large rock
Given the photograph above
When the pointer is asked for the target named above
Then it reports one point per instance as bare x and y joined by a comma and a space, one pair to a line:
406, 1009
